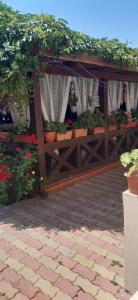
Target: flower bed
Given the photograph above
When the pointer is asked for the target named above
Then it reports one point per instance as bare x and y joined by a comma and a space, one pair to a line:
18, 176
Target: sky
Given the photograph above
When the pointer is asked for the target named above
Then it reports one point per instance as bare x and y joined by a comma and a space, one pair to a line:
97, 18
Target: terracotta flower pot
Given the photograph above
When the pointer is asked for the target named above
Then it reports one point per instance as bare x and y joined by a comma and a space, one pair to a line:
98, 130
20, 138
131, 124
64, 136
4, 135
112, 128
132, 183
80, 132
49, 137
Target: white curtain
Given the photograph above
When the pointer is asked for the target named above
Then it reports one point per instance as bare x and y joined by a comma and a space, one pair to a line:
115, 94
20, 115
86, 90
132, 95
54, 96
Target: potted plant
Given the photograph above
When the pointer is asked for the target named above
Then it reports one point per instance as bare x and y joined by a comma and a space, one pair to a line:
112, 123
121, 117
19, 132
81, 126
63, 133
98, 123
73, 101
132, 121
50, 131
130, 160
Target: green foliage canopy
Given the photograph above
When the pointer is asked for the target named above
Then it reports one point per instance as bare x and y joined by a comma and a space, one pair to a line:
20, 34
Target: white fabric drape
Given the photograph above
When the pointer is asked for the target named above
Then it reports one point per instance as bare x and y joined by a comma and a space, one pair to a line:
54, 96
115, 94
132, 95
20, 115
86, 90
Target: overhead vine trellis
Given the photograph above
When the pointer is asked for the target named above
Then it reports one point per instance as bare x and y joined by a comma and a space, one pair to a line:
21, 34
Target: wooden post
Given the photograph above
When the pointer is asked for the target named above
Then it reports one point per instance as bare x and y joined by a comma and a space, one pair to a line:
39, 126
103, 99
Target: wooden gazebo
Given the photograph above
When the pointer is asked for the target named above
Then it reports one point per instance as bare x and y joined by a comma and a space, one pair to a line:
102, 150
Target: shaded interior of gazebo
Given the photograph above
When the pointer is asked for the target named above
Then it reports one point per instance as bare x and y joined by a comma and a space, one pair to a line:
67, 161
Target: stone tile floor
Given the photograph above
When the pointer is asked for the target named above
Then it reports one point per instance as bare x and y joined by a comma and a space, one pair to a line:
68, 246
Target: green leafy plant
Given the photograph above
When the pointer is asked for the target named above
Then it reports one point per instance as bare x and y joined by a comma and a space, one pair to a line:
18, 178
50, 126
134, 113
98, 120
120, 116
21, 44
83, 121
130, 160
61, 127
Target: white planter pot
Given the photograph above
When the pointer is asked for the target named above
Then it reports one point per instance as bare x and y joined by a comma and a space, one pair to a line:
130, 202
73, 109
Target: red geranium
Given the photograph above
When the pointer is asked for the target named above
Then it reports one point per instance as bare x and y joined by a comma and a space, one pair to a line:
18, 149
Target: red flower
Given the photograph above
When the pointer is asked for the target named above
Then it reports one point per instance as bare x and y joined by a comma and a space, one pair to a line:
18, 149
31, 139
28, 155
4, 176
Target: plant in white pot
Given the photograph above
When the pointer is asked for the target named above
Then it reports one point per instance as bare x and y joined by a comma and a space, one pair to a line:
73, 103
130, 160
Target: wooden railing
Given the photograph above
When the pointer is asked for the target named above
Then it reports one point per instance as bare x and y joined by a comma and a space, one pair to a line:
66, 159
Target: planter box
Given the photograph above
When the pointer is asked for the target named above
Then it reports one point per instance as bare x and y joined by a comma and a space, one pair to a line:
4, 135
20, 138
64, 136
131, 124
80, 132
98, 130
50, 137
112, 128
130, 203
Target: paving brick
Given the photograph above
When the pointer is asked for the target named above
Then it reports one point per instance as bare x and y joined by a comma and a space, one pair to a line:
84, 296
41, 296
66, 273
7, 289
10, 275
26, 288
119, 280
20, 297
13, 263
84, 261
20, 244
106, 285
48, 262
115, 257
82, 250
29, 274
33, 252
85, 272
50, 251
62, 296
104, 272
66, 251
48, 274
102, 295
86, 286
46, 287
66, 286
66, 261
31, 262
2, 266
3, 255
17, 253
5, 245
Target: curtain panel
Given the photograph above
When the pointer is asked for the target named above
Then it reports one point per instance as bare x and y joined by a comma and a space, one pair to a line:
115, 93
55, 94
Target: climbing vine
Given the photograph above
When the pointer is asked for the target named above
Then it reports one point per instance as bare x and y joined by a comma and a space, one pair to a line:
22, 35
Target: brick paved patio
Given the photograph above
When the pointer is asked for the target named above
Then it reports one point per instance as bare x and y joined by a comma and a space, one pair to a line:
68, 246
